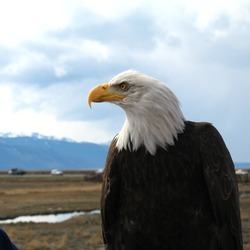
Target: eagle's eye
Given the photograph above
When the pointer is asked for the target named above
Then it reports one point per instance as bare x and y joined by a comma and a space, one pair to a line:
124, 86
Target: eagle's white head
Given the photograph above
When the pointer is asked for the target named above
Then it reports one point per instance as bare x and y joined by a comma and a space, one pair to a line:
153, 114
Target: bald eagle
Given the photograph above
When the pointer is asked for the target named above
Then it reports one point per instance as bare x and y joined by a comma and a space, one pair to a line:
168, 183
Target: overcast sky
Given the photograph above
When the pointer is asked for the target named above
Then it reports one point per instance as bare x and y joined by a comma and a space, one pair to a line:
52, 53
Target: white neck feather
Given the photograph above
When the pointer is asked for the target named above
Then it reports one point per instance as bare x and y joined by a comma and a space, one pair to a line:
155, 122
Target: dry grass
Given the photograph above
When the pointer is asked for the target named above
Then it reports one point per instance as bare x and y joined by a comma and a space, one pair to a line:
40, 195
81, 232
245, 213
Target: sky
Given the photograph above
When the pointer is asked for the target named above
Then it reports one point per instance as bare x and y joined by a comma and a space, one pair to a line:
52, 53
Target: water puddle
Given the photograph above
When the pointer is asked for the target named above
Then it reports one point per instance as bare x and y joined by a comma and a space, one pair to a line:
48, 218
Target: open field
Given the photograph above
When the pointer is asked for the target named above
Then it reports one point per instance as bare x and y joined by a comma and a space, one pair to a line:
41, 195
21, 195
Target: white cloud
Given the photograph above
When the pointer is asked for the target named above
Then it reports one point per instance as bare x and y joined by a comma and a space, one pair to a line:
111, 9
60, 71
27, 19
52, 56
31, 112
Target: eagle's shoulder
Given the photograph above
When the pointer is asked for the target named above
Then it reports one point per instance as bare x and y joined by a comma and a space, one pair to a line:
220, 177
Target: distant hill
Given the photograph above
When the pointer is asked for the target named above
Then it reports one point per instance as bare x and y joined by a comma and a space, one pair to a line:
38, 152
242, 164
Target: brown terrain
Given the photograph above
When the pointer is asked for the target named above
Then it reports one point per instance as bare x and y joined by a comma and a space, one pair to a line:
44, 194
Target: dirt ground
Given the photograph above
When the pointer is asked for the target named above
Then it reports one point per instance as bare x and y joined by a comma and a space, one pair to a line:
43, 195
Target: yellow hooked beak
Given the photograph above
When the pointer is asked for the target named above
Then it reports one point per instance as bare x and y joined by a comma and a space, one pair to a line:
102, 93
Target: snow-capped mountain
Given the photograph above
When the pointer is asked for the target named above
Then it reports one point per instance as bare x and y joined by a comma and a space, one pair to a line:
37, 152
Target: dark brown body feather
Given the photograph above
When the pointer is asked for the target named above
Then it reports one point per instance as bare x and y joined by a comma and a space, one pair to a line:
185, 198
